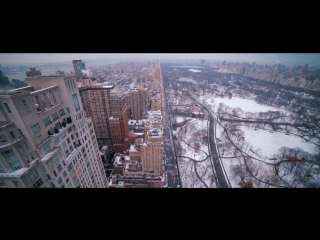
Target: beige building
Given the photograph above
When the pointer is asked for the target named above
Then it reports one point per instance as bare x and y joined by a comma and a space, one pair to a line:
46, 139
139, 102
144, 165
95, 99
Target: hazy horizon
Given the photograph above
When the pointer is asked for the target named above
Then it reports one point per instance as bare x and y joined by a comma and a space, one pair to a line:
313, 59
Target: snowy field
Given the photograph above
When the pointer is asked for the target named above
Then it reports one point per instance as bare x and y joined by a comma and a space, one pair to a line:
270, 143
194, 70
188, 168
180, 119
182, 79
245, 104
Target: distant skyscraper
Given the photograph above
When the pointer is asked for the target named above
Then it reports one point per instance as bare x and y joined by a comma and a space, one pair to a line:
4, 79
33, 73
223, 63
78, 66
306, 66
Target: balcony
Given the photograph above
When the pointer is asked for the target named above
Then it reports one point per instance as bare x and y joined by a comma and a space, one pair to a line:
5, 124
18, 173
73, 153
53, 151
8, 144
61, 130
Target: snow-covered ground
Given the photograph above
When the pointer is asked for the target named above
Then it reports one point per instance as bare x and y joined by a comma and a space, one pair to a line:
194, 70
270, 143
246, 105
186, 166
187, 80
180, 119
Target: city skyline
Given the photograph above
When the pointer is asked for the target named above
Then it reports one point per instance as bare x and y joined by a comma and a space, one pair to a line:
313, 59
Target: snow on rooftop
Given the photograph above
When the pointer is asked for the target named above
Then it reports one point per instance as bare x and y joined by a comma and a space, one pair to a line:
49, 155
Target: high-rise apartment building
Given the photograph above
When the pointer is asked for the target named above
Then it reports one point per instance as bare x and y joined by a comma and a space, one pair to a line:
46, 139
150, 150
78, 66
139, 102
95, 99
119, 119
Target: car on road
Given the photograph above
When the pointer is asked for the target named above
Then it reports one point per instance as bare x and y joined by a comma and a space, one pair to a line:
173, 176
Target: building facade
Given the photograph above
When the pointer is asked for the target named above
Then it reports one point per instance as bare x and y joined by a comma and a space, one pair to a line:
118, 120
46, 139
95, 99
78, 66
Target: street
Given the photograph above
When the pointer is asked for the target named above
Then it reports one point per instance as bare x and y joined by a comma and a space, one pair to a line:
170, 164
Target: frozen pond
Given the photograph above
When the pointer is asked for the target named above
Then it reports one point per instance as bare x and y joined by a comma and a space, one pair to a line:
187, 80
246, 105
194, 70
270, 143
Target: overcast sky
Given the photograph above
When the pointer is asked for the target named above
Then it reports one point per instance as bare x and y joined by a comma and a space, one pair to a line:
313, 59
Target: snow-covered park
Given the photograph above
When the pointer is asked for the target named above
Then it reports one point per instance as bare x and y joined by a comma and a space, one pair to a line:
262, 154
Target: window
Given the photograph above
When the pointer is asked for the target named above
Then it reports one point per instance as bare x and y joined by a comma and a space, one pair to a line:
31, 156
25, 104
58, 126
67, 180
67, 153
70, 167
47, 121
32, 175
7, 107
16, 183
61, 112
3, 184
64, 174
71, 148
55, 117
48, 176
54, 173
38, 183
40, 138
52, 185
76, 102
20, 149
44, 168
56, 141
63, 135
27, 159
26, 145
46, 148
20, 132
71, 136
68, 110
12, 134
68, 140
37, 154
59, 180
56, 160
15, 165
64, 145
35, 128
8, 154
59, 168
